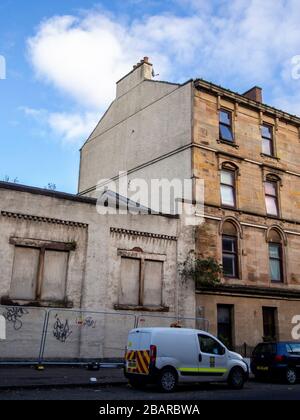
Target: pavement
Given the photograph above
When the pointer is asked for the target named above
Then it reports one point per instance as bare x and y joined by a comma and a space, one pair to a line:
202, 392
15, 377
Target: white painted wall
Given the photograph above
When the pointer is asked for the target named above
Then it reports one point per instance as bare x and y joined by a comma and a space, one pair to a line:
150, 121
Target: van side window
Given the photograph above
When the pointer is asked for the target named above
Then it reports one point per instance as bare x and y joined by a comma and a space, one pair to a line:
209, 345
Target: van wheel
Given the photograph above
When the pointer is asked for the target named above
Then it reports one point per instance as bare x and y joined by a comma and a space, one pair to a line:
236, 378
291, 376
137, 383
167, 380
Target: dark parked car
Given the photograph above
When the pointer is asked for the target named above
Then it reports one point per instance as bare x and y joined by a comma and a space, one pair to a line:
277, 360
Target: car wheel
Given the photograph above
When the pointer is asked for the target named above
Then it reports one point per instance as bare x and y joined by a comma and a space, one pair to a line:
236, 378
137, 383
291, 376
167, 380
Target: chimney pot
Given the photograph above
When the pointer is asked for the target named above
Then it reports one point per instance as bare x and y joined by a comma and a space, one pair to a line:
146, 59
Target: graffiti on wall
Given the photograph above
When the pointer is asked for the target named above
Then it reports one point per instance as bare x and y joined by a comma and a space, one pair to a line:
88, 322
61, 329
14, 315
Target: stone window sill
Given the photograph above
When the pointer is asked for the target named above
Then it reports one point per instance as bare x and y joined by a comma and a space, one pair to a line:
229, 143
7, 301
123, 307
270, 157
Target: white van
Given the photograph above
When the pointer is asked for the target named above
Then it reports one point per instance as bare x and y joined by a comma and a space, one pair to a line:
168, 356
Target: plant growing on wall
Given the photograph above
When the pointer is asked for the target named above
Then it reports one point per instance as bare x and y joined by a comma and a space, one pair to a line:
204, 271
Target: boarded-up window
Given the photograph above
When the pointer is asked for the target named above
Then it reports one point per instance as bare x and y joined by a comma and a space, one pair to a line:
130, 281
55, 273
24, 275
153, 282
39, 272
141, 282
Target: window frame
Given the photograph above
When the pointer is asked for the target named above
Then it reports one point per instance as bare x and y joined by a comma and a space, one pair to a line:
276, 196
228, 126
43, 246
230, 253
274, 312
143, 258
224, 325
220, 346
233, 187
279, 260
270, 140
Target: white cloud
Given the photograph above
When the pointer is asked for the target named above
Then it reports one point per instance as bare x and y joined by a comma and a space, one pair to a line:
71, 128
250, 42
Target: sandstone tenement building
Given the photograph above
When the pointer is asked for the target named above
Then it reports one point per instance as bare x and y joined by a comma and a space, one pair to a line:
248, 154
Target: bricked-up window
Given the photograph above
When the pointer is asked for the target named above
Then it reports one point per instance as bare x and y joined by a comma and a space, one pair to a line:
230, 251
275, 256
271, 198
267, 140
269, 323
141, 280
225, 126
228, 193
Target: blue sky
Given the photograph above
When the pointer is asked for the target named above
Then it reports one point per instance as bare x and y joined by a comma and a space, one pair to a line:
64, 56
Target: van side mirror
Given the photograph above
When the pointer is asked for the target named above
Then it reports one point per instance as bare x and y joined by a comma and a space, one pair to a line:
200, 357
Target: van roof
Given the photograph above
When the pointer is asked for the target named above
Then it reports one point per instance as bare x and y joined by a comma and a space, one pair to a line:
167, 330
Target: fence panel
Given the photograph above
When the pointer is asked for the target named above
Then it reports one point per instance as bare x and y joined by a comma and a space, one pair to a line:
169, 321
75, 335
24, 332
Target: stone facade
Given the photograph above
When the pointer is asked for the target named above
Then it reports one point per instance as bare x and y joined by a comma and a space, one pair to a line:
180, 138
245, 293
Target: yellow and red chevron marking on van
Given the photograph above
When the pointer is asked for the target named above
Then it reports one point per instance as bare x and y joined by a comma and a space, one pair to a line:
130, 355
138, 361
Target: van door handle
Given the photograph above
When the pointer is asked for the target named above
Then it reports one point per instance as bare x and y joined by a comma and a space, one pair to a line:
200, 357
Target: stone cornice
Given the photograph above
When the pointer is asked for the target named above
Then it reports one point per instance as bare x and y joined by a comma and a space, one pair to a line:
33, 218
263, 292
129, 232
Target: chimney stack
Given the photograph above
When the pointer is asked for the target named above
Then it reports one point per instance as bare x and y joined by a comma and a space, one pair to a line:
255, 94
140, 72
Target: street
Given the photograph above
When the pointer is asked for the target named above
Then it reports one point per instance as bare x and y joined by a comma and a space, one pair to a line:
252, 391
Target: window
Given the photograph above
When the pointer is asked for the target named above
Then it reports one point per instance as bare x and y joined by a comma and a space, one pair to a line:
275, 256
225, 125
209, 345
271, 197
269, 323
267, 140
225, 324
39, 274
230, 251
293, 348
141, 280
228, 197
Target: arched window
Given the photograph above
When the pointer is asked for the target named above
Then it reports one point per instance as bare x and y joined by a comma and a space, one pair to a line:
230, 250
275, 256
